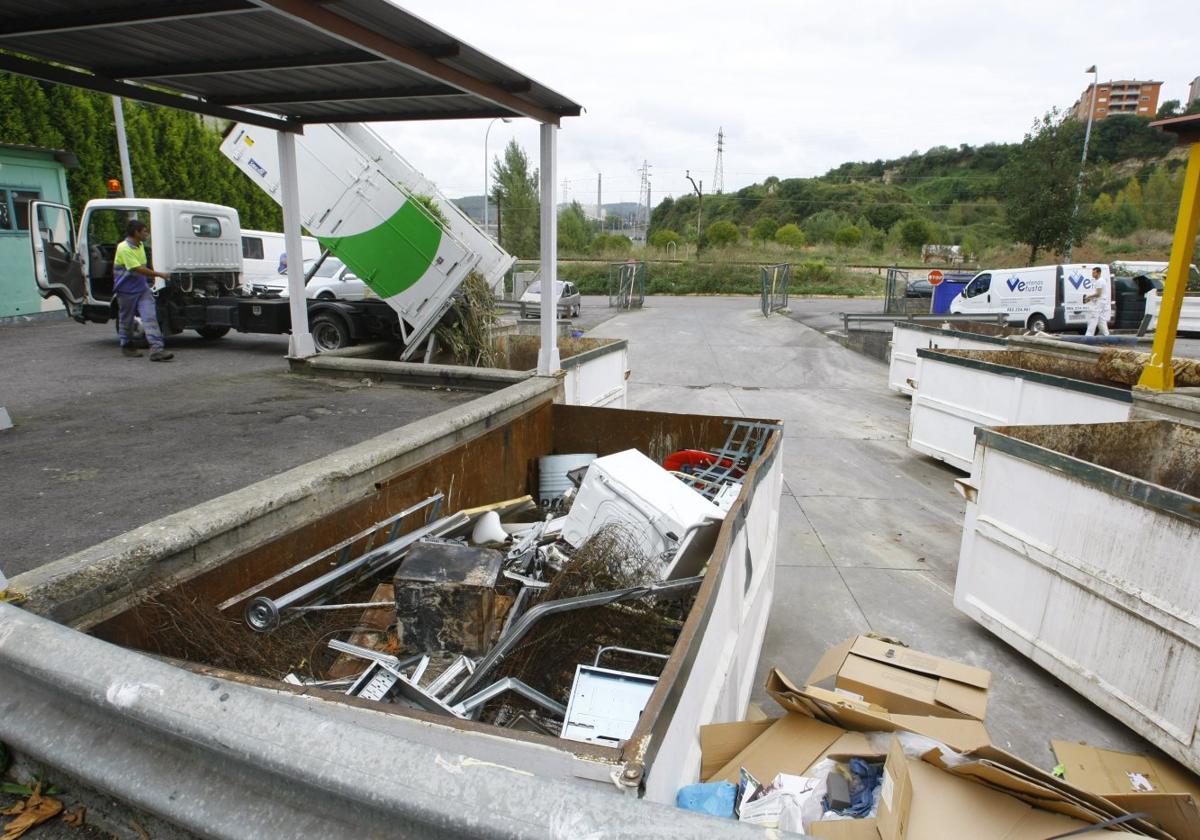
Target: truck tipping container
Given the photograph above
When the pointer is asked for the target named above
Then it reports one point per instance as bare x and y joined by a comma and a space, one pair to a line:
376, 226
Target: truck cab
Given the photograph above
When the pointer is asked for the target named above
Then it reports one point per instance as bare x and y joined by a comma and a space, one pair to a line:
197, 243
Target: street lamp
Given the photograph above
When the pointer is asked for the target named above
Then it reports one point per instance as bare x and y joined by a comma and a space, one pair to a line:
485, 168
1087, 133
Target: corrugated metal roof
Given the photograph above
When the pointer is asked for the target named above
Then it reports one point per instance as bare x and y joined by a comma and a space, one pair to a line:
67, 159
289, 61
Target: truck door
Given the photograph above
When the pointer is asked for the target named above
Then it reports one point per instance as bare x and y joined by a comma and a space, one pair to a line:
57, 265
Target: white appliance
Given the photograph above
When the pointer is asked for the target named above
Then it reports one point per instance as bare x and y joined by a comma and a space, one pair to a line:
628, 488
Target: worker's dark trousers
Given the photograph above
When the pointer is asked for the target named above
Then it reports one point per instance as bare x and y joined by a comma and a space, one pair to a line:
139, 304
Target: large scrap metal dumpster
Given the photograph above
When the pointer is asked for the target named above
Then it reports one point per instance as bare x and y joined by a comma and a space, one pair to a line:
123, 699
1079, 549
909, 336
958, 390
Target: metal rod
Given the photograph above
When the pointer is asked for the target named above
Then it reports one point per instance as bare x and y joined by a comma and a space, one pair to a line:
435, 501
473, 702
262, 614
362, 605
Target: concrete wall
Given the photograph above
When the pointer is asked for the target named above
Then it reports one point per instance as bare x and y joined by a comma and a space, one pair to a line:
24, 172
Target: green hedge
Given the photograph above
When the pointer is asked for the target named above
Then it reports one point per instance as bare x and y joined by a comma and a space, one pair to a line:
690, 278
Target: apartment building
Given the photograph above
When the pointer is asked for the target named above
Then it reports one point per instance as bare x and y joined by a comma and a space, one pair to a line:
1126, 96
1193, 92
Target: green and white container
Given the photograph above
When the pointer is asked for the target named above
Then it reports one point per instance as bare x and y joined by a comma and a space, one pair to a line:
379, 229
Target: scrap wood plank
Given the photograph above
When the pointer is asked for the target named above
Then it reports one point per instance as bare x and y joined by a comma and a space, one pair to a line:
372, 633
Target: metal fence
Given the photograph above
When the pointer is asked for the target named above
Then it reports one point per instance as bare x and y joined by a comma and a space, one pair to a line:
627, 284
775, 280
896, 300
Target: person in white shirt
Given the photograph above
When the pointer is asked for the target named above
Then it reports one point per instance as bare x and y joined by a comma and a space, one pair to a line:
1097, 300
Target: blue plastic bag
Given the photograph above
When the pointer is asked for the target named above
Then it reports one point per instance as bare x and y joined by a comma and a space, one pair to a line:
714, 798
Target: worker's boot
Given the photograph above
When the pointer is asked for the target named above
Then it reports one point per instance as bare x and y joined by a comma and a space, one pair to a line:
130, 352
161, 356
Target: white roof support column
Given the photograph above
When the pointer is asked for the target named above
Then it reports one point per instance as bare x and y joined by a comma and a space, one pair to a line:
301, 344
548, 358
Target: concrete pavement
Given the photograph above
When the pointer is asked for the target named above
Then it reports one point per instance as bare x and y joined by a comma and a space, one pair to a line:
869, 531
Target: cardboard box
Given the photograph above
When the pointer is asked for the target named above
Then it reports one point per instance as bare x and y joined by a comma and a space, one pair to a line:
902, 680
1172, 803
994, 795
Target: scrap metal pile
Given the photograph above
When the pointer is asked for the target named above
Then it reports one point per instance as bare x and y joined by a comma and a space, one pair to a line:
554, 615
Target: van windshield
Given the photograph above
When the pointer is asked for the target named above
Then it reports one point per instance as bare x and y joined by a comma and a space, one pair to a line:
978, 286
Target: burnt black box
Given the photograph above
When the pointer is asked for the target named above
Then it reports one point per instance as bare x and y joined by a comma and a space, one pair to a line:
446, 599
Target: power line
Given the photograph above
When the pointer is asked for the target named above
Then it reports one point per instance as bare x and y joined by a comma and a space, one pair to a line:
719, 171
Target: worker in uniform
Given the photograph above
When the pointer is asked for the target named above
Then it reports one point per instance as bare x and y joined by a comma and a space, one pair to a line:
131, 276
1097, 301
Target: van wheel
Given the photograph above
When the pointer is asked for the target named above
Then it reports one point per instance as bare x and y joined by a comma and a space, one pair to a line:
330, 332
212, 333
1036, 323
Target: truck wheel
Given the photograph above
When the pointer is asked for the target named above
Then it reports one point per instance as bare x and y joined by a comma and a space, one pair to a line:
212, 333
330, 332
1036, 323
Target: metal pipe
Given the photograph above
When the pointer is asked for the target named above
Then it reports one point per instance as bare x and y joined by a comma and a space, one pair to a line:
473, 702
262, 614
536, 614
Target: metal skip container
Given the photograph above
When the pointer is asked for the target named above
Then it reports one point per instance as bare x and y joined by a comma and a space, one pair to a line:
958, 390
908, 337
321, 763
1079, 549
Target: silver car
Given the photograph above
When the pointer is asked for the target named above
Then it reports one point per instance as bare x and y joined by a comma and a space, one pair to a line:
565, 293
333, 281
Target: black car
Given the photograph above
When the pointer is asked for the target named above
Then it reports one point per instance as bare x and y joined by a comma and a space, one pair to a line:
919, 288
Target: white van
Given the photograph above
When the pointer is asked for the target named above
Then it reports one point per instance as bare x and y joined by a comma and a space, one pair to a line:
1044, 297
261, 250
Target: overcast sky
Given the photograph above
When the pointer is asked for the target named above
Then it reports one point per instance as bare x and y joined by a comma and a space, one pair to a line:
799, 87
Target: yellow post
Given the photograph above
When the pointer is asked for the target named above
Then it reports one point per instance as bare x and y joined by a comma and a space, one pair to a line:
1158, 375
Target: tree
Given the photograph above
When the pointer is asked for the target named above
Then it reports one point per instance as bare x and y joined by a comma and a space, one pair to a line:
763, 229
848, 236
1168, 109
1038, 185
612, 244
1102, 210
721, 232
1160, 199
516, 193
574, 230
790, 236
914, 233
1125, 218
663, 238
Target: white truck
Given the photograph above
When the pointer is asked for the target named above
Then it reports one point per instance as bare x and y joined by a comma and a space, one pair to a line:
200, 246
1045, 297
367, 206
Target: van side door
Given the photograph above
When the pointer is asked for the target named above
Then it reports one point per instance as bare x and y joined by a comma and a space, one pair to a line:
57, 265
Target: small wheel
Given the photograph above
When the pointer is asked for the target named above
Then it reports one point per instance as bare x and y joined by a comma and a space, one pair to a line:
212, 333
330, 332
1036, 323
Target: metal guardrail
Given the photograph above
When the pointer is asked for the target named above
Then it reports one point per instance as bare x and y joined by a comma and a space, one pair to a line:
876, 318
222, 759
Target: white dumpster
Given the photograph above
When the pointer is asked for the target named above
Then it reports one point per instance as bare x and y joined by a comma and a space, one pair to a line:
1079, 549
909, 336
958, 390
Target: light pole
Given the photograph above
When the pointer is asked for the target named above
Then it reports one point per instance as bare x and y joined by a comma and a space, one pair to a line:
1087, 133
485, 168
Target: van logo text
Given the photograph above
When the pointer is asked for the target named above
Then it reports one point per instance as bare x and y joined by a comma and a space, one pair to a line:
1016, 284
1078, 280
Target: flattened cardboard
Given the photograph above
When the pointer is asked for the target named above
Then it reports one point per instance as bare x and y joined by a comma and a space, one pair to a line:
864, 829
789, 745
720, 742
902, 680
945, 805
964, 735
1173, 805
